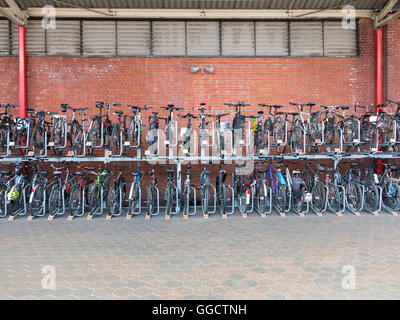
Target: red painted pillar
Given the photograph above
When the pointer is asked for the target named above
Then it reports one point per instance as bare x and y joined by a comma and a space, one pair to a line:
378, 67
22, 71
378, 79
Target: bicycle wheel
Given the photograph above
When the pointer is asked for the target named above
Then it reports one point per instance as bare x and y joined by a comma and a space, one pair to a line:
277, 129
390, 195
334, 198
262, 199
36, 201
314, 130
3, 190
115, 141
75, 199
94, 196
113, 201
38, 137
318, 197
77, 138
371, 197
350, 132
353, 196
54, 201
93, 137
222, 198
280, 196
133, 201
297, 137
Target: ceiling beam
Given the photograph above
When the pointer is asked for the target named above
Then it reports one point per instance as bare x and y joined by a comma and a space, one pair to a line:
195, 14
9, 14
384, 12
15, 9
385, 21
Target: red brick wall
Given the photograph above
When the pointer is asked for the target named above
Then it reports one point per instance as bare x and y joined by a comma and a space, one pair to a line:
159, 81
392, 60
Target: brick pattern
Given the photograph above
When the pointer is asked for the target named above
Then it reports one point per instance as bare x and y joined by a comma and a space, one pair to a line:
392, 61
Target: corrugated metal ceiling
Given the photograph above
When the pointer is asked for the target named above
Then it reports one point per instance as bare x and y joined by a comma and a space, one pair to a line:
206, 4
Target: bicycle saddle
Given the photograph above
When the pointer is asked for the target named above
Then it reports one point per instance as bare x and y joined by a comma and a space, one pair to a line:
78, 173
99, 105
311, 104
296, 172
118, 112
276, 106
57, 173
5, 172
135, 173
293, 113
133, 107
353, 164
30, 110
43, 172
344, 107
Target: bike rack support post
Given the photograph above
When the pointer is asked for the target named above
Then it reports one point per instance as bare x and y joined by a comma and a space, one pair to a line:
215, 201
194, 202
178, 184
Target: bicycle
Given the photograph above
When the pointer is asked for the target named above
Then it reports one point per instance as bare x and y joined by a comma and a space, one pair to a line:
59, 191
117, 195
171, 189
135, 194
188, 189
187, 144
38, 192
153, 204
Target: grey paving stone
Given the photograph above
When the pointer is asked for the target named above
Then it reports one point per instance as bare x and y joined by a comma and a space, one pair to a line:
272, 258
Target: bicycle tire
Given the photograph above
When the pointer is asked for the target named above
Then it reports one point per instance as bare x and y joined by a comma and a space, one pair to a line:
353, 196
115, 141
371, 196
318, 196
334, 198
54, 200
113, 201
75, 201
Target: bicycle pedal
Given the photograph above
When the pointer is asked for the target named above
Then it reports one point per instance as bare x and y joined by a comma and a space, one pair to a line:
282, 214
108, 217
89, 217
109, 153
357, 213
263, 215
30, 153
167, 217
339, 214
185, 217
224, 216
375, 213
302, 214
70, 153
11, 218
206, 216
30, 218
129, 217
244, 215
50, 218
147, 217
70, 217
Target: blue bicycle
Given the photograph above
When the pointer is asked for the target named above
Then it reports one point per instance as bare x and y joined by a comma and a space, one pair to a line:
279, 186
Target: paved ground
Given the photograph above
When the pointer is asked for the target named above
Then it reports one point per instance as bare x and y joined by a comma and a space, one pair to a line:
235, 258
